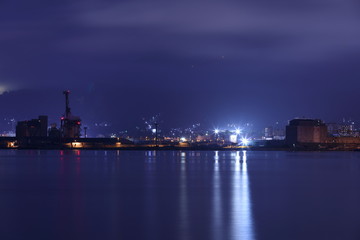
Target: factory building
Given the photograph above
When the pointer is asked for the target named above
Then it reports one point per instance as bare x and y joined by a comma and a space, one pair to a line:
54, 132
32, 128
306, 131
70, 125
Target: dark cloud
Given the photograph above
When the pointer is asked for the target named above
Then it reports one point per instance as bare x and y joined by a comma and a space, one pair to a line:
256, 60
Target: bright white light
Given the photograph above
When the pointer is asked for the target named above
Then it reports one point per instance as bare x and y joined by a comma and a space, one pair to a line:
153, 130
245, 141
238, 131
216, 131
233, 138
182, 139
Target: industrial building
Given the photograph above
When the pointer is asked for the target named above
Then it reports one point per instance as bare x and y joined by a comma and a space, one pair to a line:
302, 132
35, 133
70, 125
32, 128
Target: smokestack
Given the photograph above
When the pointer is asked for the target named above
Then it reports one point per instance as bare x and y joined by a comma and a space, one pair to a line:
67, 107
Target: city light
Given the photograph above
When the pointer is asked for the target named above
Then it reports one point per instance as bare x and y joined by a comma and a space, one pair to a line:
237, 131
245, 141
216, 131
11, 144
233, 138
76, 144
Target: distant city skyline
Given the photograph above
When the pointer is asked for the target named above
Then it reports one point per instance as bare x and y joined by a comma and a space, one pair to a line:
155, 124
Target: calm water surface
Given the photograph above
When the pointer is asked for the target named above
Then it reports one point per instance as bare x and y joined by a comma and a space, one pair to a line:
179, 195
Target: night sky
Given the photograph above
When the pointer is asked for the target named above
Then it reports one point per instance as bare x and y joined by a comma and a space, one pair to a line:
212, 62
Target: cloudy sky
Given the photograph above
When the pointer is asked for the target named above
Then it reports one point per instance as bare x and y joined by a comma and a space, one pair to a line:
192, 61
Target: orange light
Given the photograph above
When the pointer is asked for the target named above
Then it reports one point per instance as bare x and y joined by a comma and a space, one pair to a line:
76, 145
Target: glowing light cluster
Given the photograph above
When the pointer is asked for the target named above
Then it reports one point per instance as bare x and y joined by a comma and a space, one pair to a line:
245, 141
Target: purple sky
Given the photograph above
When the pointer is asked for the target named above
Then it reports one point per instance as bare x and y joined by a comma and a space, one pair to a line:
192, 61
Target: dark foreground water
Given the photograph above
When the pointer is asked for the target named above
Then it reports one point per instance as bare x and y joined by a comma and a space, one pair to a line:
179, 195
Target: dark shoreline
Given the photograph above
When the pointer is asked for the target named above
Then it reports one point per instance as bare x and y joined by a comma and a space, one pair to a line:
124, 144
140, 148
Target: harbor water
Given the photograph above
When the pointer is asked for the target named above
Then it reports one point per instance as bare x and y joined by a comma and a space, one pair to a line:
163, 195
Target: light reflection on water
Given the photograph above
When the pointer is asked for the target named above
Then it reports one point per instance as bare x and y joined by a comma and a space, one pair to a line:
179, 195
183, 200
241, 215
217, 216
230, 209
240, 219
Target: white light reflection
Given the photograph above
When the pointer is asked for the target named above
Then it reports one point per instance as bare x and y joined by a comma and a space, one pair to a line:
237, 156
150, 199
244, 158
150, 156
183, 161
183, 201
241, 216
216, 156
218, 227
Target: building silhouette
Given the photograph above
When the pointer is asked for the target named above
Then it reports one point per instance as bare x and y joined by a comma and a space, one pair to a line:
306, 131
70, 124
32, 128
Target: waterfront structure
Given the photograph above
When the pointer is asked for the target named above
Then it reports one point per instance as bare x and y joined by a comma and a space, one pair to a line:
32, 128
269, 132
306, 131
54, 132
334, 129
344, 129
70, 125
